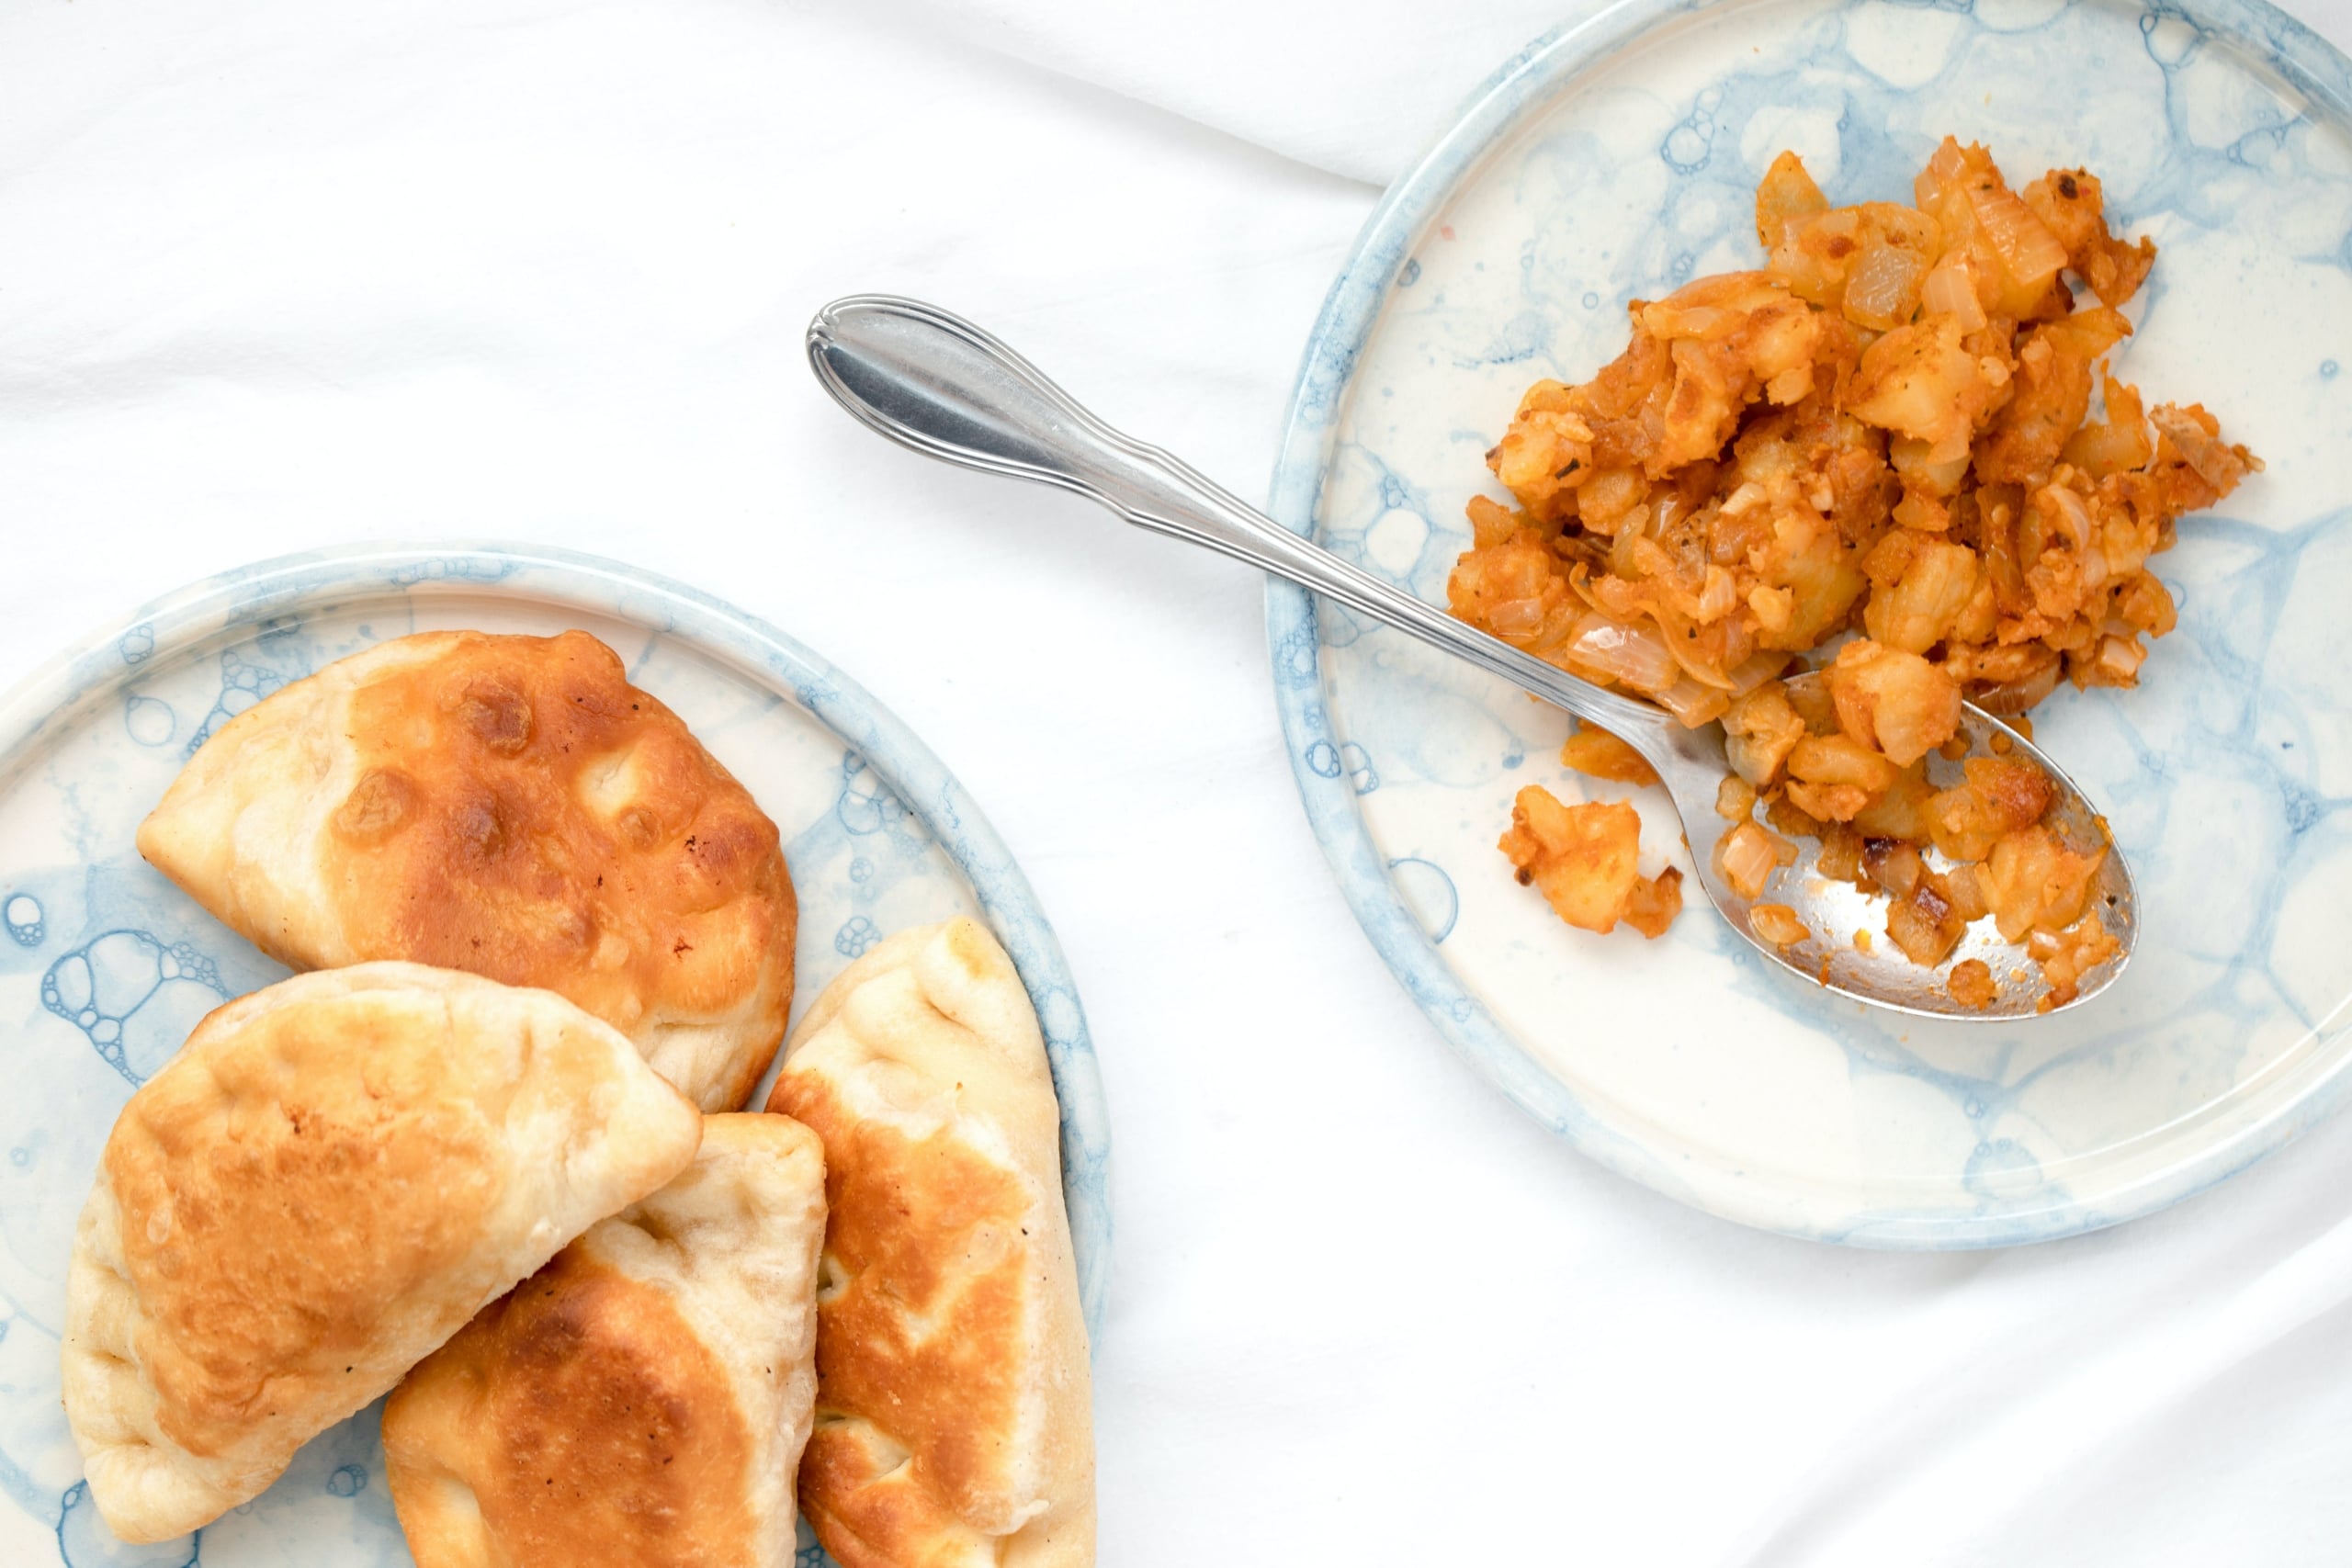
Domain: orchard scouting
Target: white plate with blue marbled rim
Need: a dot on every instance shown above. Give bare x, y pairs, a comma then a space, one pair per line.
105, 966
1617, 158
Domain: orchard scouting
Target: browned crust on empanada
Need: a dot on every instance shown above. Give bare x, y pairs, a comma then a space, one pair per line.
642, 1401
331, 1178
594, 1427
952, 1421
919, 1233
514, 808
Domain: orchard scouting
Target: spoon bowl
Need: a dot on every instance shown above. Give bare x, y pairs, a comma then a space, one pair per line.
934, 382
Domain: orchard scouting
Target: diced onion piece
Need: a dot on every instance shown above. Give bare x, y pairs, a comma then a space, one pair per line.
1747, 858
1950, 290
1693, 703
2120, 658
1923, 922
1634, 654
2029, 252
1515, 618
1778, 924
1755, 669
1883, 288
1718, 598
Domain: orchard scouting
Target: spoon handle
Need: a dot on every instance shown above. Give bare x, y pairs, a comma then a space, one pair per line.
934, 382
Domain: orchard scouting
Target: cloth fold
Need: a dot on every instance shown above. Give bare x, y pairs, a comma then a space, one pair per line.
1356, 89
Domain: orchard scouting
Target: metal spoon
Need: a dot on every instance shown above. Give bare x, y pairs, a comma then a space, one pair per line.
934, 382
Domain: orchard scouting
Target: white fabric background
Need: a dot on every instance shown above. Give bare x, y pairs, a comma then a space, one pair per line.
276, 275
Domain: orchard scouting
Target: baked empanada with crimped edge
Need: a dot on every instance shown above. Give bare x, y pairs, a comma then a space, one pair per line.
954, 1406
511, 807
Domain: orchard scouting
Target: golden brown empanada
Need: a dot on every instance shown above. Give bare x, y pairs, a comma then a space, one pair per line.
327, 1181
954, 1405
511, 807
642, 1401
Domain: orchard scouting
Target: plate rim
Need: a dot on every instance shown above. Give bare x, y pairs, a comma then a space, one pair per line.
1522, 84
220, 605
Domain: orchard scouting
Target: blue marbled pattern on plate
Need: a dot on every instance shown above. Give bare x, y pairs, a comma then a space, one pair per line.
1612, 161
106, 965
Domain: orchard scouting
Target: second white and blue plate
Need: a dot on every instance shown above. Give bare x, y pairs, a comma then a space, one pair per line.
1620, 159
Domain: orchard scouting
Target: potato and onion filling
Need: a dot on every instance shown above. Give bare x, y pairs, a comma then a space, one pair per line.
1881, 446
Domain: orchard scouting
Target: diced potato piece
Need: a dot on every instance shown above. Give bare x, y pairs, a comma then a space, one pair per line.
1787, 817
1827, 803
1900, 811
2036, 881
2145, 603
2073, 208
1813, 704
1546, 452
1892, 700
1491, 522
1582, 858
1592, 750
1937, 583
1759, 731
2052, 392
1841, 760
1734, 799
1785, 192
1653, 903
1924, 471
2067, 955
1611, 498
1811, 562
1967, 893
2000, 796
1920, 380
2118, 444
1511, 590
1970, 984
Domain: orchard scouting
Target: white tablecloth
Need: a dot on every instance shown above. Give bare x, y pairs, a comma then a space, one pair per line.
276, 275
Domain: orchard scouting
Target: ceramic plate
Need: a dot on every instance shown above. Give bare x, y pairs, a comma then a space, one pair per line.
1620, 159
105, 966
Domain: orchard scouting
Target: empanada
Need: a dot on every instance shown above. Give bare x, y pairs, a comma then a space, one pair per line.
326, 1182
511, 807
323, 1185
642, 1401
955, 1426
